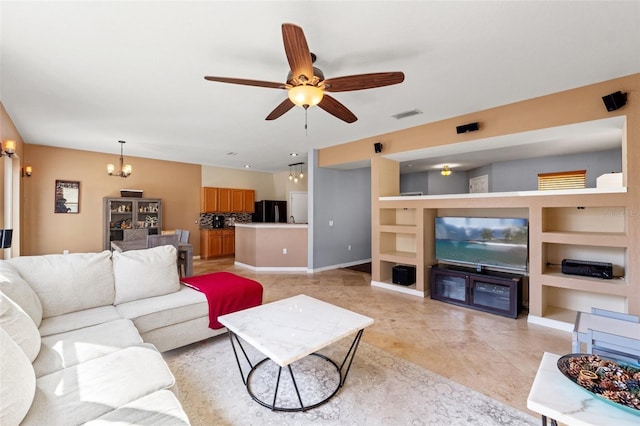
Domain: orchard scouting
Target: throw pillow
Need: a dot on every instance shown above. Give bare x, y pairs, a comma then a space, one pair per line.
19, 327
68, 282
18, 384
145, 273
18, 290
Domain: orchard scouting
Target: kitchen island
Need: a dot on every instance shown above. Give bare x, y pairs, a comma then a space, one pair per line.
271, 246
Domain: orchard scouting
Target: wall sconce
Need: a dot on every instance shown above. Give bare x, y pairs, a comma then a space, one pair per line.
26, 171
296, 173
446, 171
9, 148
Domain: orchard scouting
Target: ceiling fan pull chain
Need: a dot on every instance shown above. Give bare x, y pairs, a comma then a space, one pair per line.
306, 110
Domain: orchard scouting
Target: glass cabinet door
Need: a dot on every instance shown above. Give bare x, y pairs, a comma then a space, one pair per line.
449, 287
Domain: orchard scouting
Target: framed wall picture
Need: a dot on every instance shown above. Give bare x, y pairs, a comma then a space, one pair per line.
67, 196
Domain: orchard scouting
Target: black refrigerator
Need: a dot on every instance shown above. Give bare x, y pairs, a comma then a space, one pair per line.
270, 211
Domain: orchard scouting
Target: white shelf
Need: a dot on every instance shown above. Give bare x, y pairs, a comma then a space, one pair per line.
585, 191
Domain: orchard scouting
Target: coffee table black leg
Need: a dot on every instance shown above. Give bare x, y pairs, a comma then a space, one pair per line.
295, 386
235, 352
350, 355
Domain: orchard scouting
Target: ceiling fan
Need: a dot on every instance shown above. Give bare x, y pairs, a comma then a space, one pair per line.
306, 84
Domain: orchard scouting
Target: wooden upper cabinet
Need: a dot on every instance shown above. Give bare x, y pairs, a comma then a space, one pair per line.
237, 200
224, 200
249, 201
227, 200
209, 200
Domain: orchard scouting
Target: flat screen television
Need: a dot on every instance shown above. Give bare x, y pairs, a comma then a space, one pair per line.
483, 241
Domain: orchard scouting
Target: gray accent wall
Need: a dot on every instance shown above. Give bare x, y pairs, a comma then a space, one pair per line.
517, 175
344, 197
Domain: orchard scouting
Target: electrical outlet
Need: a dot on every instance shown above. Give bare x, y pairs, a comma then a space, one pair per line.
284, 251
65, 251
349, 247
330, 222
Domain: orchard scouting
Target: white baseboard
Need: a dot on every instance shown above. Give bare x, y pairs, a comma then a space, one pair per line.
273, 268
398, 288
341, 265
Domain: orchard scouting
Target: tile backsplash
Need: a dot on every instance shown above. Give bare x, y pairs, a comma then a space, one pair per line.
230, 219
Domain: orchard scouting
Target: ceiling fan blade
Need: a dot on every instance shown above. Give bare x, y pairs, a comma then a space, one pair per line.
363, 81
246, 82
297, 50
336, 109
284, 106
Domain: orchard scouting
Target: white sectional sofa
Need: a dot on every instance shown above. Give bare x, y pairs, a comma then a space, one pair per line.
81, 336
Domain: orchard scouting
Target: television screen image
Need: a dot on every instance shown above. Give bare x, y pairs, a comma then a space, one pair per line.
486, 241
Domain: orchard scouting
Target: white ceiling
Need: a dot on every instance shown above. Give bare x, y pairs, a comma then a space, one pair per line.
84, 75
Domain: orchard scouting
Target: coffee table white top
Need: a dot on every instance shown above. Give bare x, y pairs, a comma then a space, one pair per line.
290, 329
555, 396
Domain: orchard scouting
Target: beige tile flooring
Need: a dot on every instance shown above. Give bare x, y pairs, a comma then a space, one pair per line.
495, 355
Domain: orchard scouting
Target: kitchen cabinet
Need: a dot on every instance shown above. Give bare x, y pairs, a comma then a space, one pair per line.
224, 200
227, 200
237, 200
249, 201
209, 200
217, 243
228, 242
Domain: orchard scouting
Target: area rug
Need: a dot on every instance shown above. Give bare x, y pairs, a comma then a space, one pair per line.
381, 389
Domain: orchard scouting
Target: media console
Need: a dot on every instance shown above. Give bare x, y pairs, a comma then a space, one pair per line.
490, 291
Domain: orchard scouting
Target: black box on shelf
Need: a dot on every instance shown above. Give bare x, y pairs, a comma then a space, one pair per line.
132, 193
404, 274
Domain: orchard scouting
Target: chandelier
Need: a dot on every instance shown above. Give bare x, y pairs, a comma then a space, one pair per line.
295, 172
124, 170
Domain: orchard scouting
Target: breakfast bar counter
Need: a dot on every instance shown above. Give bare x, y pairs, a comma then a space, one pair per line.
271, 246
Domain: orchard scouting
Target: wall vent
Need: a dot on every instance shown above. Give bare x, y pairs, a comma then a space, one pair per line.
406, 114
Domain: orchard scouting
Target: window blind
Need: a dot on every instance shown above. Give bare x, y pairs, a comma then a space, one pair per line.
575, 179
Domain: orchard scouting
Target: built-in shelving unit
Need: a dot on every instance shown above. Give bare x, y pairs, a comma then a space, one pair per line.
585, 224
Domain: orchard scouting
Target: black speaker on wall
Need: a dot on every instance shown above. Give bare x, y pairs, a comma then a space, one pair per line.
377, 147
615, 101
465, 128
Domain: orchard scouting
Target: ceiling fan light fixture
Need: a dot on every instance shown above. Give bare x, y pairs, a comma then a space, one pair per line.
306, 95
446, 171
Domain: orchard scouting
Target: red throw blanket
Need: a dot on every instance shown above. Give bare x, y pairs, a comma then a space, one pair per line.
226, 293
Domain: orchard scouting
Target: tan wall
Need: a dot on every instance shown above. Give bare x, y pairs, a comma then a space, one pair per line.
177, 184
263, 247
562, 108
268, 186
8, 131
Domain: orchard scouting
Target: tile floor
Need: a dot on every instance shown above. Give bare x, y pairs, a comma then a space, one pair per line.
495, 355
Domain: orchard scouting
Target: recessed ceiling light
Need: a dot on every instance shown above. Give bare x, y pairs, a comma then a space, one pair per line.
294, 154
247, 166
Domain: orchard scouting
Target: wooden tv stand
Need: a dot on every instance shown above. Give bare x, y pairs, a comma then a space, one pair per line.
489, 291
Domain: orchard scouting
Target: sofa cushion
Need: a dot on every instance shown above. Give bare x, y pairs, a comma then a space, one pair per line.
18, 383
77, 320
145, 273
161, 408
160, 311
19, 327
68, 282
93, 388
18, 290
65, 350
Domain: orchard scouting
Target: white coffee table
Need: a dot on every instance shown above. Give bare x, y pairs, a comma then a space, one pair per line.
288, 330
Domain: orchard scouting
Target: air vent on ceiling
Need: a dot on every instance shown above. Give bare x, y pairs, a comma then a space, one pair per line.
406, 114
